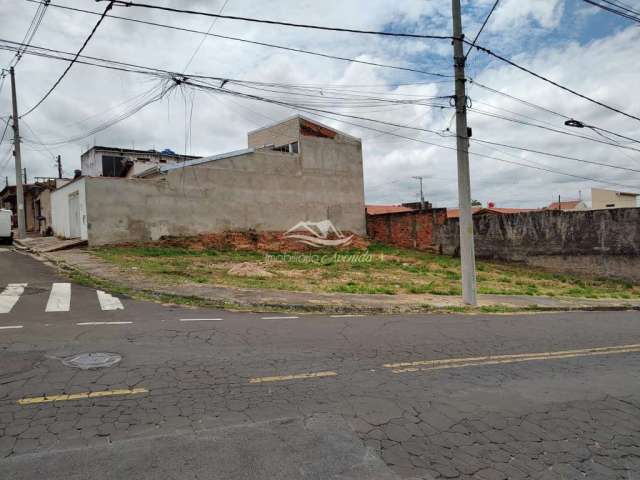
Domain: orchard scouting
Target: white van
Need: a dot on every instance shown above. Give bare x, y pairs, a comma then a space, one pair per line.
6, 235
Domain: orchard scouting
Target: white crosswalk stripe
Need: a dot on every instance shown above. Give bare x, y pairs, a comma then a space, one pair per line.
10, 296
60, 298
109, 302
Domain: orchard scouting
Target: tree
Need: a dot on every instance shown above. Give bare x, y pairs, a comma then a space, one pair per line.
476, 203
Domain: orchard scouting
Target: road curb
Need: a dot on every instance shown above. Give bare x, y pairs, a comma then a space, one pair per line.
165, 296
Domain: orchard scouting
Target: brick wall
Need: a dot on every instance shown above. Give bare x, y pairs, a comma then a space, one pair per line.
406, 229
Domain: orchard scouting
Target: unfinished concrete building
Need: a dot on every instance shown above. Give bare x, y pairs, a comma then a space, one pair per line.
294, 171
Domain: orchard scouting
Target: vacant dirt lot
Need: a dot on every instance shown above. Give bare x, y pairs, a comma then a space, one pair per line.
378, 269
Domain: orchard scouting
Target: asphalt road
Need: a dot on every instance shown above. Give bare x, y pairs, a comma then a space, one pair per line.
227, 395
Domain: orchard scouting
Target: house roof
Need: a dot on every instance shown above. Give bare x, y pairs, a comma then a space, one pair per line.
140, 152
382, 209
568, 205
455, 212
199, 161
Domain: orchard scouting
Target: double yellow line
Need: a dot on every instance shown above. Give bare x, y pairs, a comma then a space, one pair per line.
427, 365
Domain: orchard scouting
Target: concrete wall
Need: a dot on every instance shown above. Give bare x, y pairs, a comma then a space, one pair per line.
280, 134
602, 198
597, 242
406, 229
264, 190
60, 209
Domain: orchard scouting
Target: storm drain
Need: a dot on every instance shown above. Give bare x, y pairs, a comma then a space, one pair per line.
85, 361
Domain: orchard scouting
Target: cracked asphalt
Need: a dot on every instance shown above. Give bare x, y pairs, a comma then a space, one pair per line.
202, 416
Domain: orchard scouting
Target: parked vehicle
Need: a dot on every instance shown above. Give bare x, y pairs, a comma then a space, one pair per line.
6, 235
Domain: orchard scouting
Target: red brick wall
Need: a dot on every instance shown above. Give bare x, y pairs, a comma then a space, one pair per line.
406, 229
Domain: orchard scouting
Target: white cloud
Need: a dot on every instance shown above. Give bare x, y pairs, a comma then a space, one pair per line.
602, 69
513, 14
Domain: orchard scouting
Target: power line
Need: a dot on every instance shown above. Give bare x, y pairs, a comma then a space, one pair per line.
552, 82
213, 23
66, 70
31, 31
551, 129
308, 106
110, 64
622, 6
243, 83
4, 132
315, 111
546, 109
481, 155
393, 34
486, 20
254, 42
555, 155
154, 95
135, 68
632, 15
122, 3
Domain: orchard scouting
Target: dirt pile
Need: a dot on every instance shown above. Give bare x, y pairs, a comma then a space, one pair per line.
248, 269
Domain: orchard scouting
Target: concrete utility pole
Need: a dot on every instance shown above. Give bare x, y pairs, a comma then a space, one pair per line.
59, 163
22, 229
467, 251
421, 194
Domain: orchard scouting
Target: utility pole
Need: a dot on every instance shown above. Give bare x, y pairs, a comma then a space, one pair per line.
467, 251
467, 254
421, 194
59, 163
22, 230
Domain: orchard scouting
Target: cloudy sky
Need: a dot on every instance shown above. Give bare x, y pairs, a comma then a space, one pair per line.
577, 45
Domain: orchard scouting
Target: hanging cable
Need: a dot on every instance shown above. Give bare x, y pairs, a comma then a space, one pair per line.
122, 3
484, 24
552, 82
66, 70
628, 14
254, 42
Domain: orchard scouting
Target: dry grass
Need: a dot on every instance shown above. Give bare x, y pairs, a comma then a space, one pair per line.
384, 270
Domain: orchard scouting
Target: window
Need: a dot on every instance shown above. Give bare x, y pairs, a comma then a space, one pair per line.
289, 148
112, 166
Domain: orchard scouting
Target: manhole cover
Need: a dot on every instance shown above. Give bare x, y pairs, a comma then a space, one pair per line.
86, 361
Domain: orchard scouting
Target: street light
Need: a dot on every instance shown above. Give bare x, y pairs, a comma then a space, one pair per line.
575, 123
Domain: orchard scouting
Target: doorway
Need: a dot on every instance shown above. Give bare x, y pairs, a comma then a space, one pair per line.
74, 215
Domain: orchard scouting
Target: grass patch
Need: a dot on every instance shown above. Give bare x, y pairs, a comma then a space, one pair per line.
383, 270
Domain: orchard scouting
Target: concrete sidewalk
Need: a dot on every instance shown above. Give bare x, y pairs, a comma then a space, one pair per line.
81, 261
40, 245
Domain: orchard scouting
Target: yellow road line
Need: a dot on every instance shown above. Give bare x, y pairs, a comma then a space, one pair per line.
80, 396
296, 376
425, 365
502, 357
